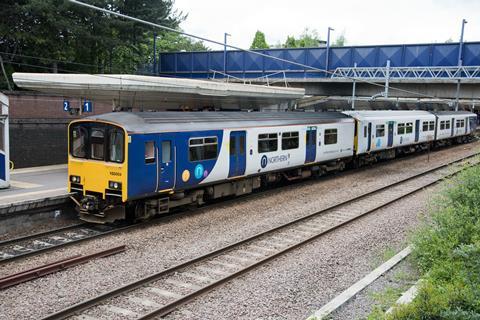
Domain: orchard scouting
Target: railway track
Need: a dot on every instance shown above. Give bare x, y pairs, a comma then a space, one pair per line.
13, 249
163, 292
21, 247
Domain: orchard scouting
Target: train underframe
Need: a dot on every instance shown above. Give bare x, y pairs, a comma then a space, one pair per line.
94, 209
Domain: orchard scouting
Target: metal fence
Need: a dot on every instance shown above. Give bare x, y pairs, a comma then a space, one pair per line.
248, 65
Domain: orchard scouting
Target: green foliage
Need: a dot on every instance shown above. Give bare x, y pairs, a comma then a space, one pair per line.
447, 251
259, 41
308, 39
77, 39
340, 41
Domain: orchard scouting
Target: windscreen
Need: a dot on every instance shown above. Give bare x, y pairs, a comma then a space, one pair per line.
97, 141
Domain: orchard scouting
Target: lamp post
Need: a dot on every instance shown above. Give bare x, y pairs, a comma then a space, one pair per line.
328, 50
460, 62
154, 71
225, 52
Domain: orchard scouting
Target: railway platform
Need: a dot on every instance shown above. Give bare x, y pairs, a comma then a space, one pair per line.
34, 188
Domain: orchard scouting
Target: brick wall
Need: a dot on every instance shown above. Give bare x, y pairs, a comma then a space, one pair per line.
38, 128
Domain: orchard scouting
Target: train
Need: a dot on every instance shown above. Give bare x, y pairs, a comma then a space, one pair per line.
132, 166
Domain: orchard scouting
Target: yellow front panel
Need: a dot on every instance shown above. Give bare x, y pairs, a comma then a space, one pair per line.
95, 175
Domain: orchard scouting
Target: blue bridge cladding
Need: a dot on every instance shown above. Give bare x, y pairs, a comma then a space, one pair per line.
247, 65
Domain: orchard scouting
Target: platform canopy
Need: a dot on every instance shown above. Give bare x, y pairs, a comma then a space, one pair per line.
133, 91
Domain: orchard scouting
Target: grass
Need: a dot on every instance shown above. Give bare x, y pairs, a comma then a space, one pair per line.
446, 251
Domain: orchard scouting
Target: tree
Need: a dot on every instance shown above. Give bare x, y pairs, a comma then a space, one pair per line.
43, 35
341, 40
259, 41
308, 39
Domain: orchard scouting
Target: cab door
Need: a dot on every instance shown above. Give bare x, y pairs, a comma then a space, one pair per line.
311, 144
166, 163
237, 153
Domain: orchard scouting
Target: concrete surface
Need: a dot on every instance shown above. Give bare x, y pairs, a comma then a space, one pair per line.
34, 188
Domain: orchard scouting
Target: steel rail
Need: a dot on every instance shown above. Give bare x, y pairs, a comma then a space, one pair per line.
72, 310
42, 234
32, 252
49, 268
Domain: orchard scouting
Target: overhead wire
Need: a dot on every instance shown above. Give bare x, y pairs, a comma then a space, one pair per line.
247, 50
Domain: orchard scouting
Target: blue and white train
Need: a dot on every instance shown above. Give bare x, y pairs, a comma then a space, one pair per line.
135, 165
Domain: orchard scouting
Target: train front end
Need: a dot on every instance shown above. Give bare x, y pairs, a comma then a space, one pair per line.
97, 170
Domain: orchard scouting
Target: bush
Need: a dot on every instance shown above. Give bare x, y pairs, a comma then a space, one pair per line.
447, 252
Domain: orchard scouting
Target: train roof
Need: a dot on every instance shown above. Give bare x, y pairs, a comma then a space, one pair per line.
453, 113
387, 114
148, 122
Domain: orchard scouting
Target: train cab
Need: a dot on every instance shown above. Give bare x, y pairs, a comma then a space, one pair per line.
97, 167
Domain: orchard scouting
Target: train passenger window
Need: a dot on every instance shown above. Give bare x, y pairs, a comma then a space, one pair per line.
97, 144
380, 132
460, 123
116, 145
150, 152
425, 126
401, 128
78, 146
447, 124
203, 149
409, 127
166, 151
289, 140
330, 136
428, 126
442, 125
267, 142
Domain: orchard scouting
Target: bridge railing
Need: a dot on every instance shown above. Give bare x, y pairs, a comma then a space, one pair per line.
247, 65
428, 73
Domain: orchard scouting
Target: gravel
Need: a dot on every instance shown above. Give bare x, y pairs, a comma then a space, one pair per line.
381, 294
321, 269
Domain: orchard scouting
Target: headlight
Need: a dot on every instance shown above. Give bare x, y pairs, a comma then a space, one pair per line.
75, 179
115, 185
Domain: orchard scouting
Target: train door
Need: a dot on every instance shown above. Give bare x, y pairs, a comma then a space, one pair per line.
166, 163
237, 153
311, 144
369, 138
390, 133
417, 130
453, 126
473, 123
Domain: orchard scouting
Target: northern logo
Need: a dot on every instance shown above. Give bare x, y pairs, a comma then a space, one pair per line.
265, 160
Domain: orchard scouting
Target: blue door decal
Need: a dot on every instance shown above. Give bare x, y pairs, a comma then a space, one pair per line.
390, 134
238, 141
369, 139
417, 130
166, 163
311, 144
3, 167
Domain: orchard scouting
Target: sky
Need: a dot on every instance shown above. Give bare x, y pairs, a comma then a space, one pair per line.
363, 22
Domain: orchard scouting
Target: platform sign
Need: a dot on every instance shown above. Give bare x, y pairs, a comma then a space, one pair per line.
87, 106
66, 105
